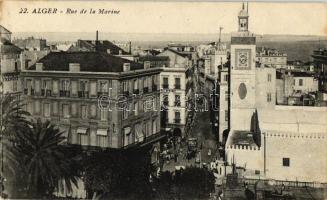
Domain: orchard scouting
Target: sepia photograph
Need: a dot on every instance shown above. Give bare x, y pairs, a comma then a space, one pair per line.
163, 100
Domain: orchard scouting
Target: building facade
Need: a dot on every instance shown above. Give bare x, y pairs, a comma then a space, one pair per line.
173, 87
271, 58
99, 100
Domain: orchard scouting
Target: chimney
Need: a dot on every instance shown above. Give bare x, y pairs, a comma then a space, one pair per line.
96, 35
74, 67
127, 67
38, 66
130, 48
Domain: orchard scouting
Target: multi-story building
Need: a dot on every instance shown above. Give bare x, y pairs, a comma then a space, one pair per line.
10, 64
292, 86
98, 99
320, 67
173, 84
32, 44
271, 57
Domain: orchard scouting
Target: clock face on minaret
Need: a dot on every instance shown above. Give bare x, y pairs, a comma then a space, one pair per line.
242, 59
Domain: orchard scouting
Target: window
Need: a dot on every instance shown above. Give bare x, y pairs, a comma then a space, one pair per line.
269, 77
46, 110
145, 82
83, 86
55, 87
102, 139
103, 86
136, 108
65, 110
125, 113
55, 108
165, 100
128, 139
154, 126
300, 82
177, 83
148, 126
93, 88
177, 100
84, 112
286, 162
37, 86
293, 81
83, 135
226, 95
226, 77
103, 114
226, 115
268, 97
65, 85
165, 83
135, 84
177, 117
14, 86
37, 107
125, 86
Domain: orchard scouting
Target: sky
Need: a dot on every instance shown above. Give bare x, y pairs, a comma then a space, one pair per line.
166, 17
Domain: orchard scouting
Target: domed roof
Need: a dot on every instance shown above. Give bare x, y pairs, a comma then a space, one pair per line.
243, 13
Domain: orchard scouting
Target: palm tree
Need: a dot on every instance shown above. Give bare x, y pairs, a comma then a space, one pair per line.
13, 116
43, 160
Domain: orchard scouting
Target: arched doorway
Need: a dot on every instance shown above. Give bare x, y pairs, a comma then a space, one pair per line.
177, 132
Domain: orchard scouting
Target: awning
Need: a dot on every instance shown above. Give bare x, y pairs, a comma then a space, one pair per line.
127, 130
139, 133
102, 132
81, 130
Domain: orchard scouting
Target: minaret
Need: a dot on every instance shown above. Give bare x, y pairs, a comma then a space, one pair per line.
242, 74
243, 19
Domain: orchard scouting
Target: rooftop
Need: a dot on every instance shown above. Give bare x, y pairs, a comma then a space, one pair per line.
9, 48
242, 138
89, 62
99, 45
153, 58
296, 119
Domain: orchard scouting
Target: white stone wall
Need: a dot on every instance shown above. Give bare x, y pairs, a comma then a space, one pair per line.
306, 152
249, 158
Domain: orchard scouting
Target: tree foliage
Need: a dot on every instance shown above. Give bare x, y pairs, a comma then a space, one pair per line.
190, 183
118, 174
43, 160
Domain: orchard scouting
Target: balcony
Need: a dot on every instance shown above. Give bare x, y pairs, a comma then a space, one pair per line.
177, 103
83, 94
166, 103
177, 86
64, 93
103, 94
154, 88
165, 86
136, 91
177, 121
126, 93
46, 92
145, 90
